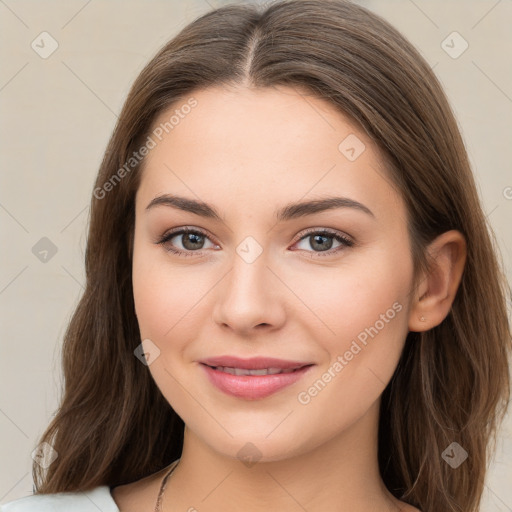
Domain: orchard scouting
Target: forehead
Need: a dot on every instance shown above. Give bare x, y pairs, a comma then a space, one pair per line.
269, 145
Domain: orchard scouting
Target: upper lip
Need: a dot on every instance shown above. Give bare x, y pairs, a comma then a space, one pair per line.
253, 363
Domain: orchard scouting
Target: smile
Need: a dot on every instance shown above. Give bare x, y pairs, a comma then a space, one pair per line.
244, 371
253, 384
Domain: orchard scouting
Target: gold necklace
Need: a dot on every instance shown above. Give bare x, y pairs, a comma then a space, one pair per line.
162, 487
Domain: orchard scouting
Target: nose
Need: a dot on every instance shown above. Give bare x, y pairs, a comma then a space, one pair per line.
250, 298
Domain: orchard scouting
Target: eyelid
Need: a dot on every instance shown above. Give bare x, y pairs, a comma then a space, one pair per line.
345, 240
334, 232
181, 230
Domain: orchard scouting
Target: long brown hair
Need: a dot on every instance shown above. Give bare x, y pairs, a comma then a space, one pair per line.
452, 382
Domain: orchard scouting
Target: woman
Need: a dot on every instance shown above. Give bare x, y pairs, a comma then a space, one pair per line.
292, 293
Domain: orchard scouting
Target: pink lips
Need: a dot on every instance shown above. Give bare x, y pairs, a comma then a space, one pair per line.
253, 387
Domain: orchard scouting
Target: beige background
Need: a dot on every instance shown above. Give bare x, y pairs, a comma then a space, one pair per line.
57, 116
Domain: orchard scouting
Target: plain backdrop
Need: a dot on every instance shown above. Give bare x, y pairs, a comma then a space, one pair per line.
59, 110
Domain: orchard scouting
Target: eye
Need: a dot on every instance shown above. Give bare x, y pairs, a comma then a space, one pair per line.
191, 240
323, 241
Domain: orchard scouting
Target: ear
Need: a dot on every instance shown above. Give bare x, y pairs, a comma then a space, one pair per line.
437, 290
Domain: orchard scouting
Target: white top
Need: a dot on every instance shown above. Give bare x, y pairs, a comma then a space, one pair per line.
96, 499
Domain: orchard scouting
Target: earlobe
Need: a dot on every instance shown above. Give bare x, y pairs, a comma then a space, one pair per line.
437, 290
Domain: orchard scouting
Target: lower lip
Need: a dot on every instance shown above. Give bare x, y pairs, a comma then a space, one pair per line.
253, 387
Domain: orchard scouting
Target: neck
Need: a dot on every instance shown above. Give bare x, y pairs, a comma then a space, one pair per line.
340, 475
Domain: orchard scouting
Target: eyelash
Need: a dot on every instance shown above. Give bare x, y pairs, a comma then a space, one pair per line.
345, 241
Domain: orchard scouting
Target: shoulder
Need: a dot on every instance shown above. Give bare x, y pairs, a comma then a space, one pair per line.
96, 499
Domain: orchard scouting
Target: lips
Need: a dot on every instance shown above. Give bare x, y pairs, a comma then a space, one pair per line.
254, 363
253, 378
244, 371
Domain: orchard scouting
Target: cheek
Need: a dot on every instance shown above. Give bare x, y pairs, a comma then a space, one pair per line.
166, 295
361, 292
360, 315
162, 309
154, 293
370, 327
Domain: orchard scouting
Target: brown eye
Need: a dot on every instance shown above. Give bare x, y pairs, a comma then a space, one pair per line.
191, 240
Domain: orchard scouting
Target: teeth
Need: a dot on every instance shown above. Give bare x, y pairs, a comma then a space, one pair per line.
243, 371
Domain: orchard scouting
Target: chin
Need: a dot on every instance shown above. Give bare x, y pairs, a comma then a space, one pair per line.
250, 448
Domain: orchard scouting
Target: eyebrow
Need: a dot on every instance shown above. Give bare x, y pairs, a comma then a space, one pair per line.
288, 212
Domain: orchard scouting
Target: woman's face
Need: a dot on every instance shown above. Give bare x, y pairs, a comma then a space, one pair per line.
260, 279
